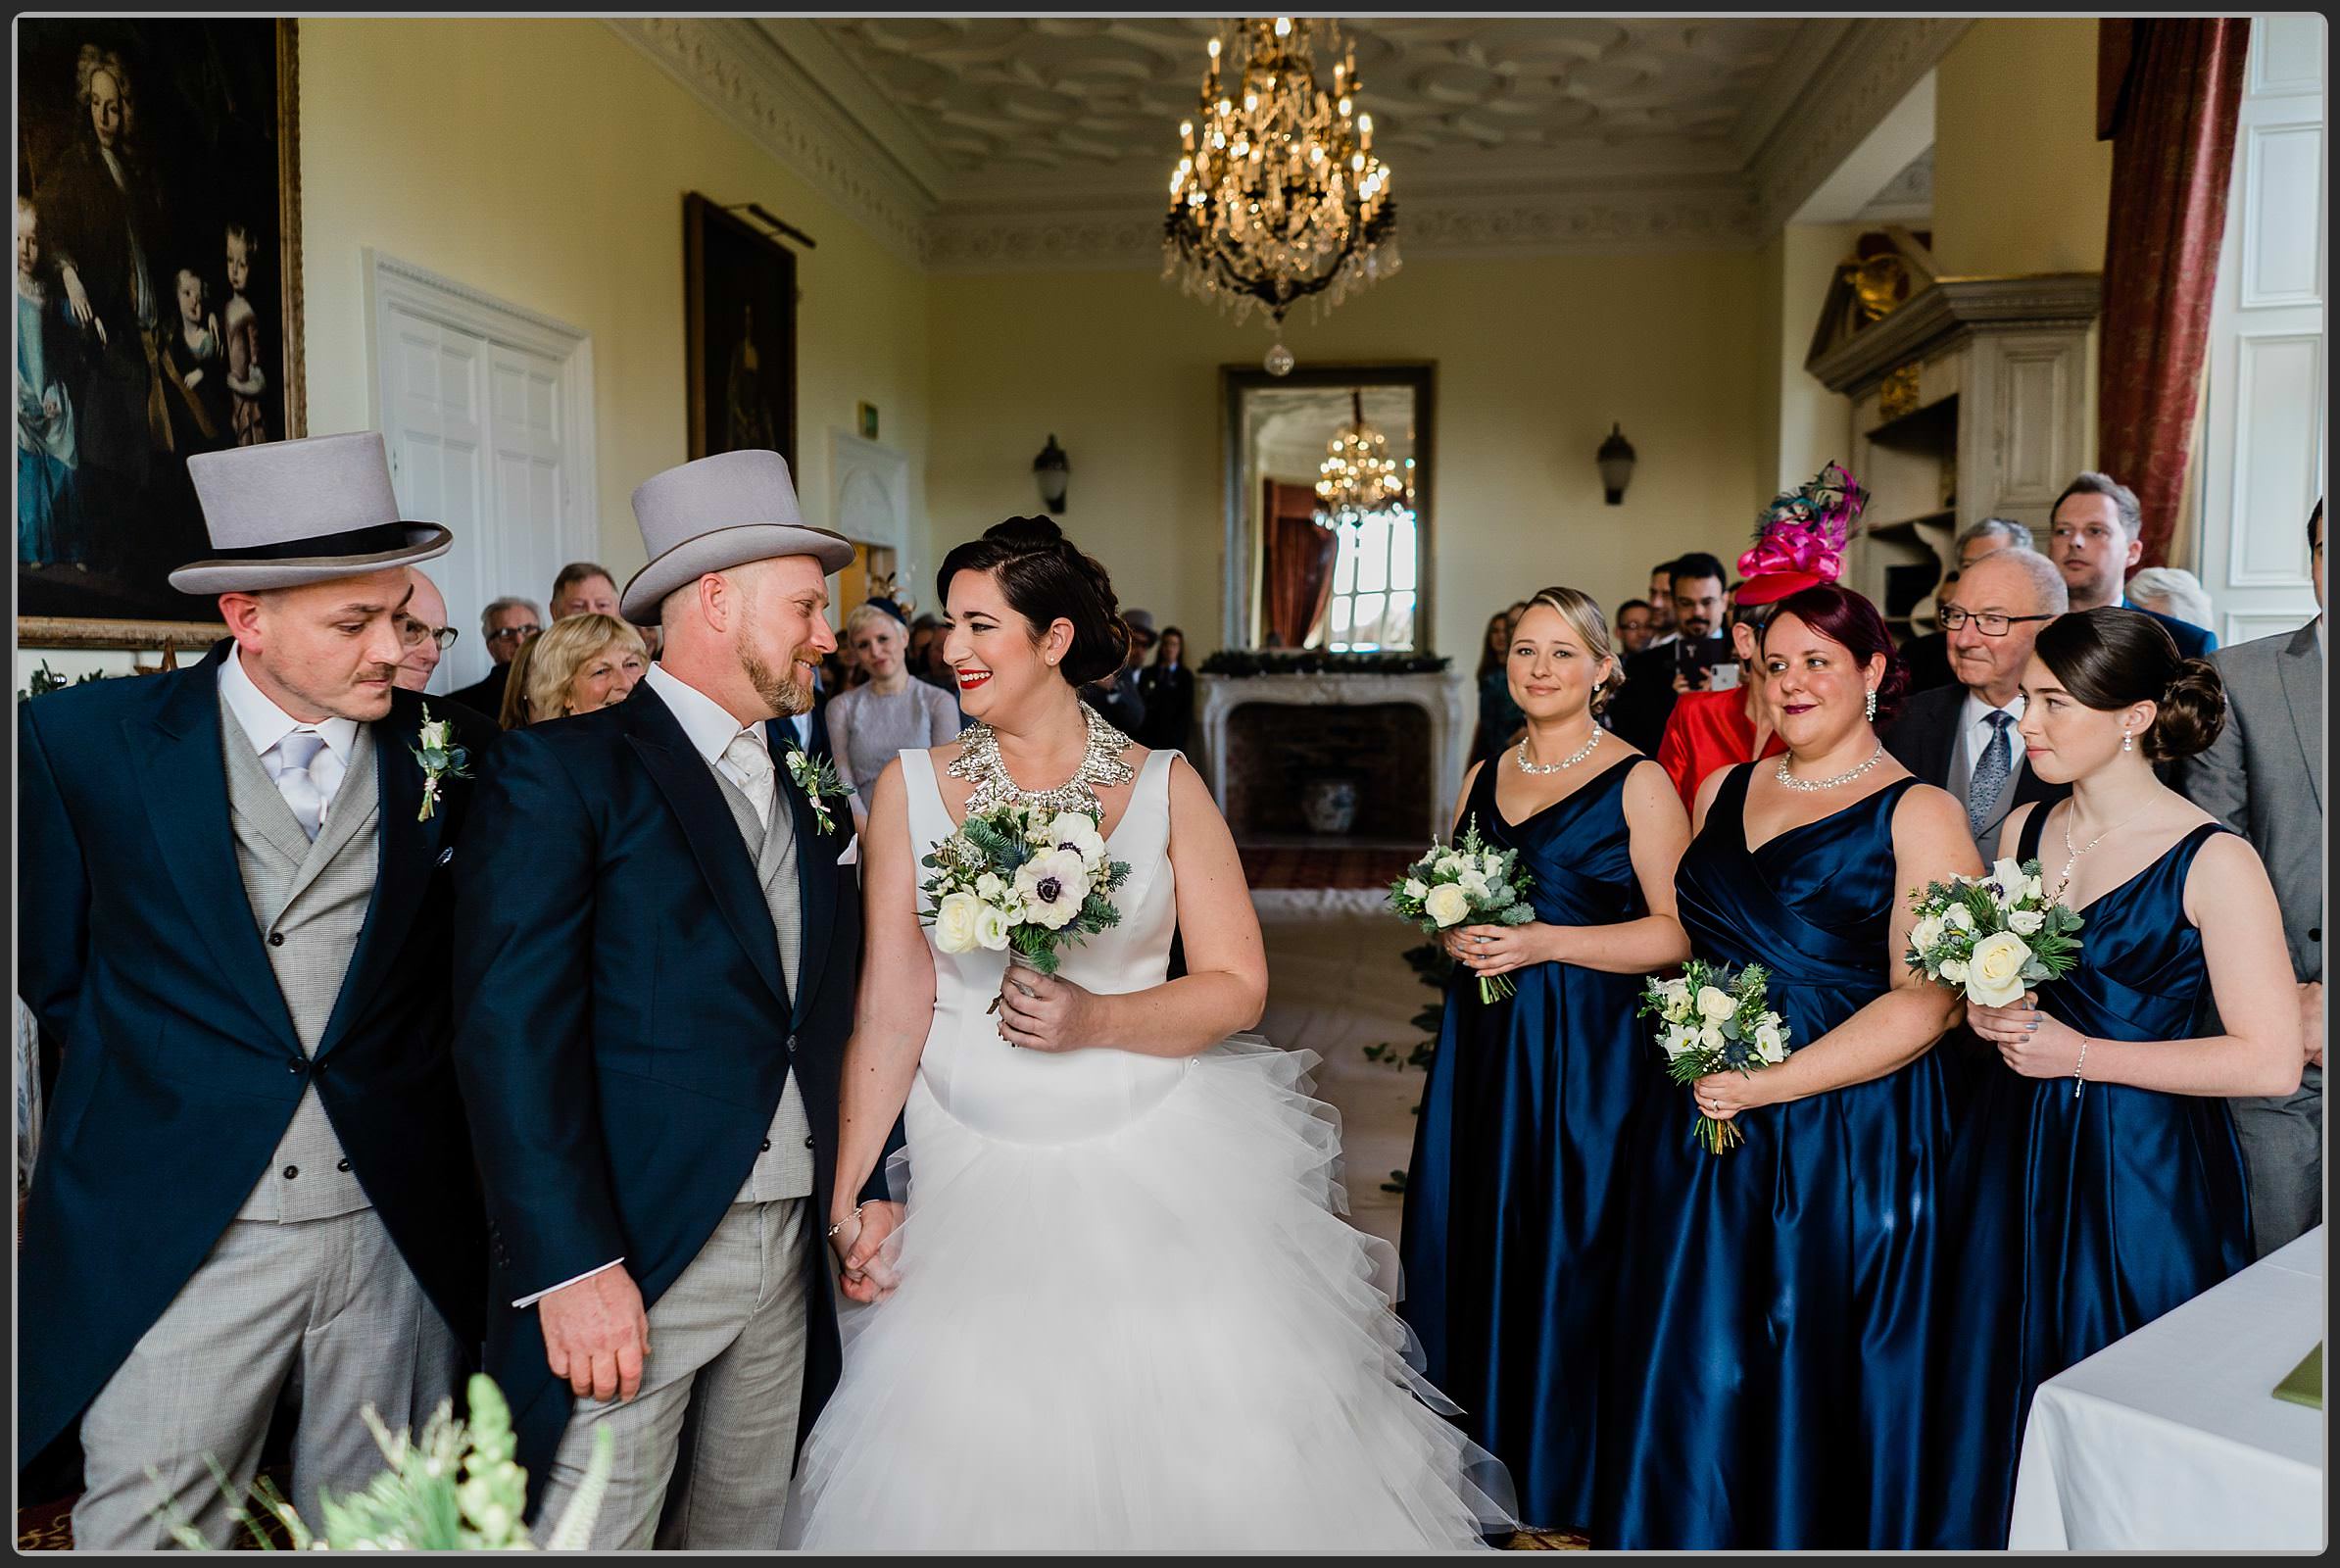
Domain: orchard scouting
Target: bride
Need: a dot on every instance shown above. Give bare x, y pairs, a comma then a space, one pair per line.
1119, 1309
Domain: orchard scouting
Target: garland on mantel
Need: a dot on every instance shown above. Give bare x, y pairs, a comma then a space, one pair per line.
1247, 662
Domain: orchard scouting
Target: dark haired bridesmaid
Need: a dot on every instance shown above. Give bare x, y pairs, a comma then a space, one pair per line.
2100, 1183
1514, 1202
1777, 1300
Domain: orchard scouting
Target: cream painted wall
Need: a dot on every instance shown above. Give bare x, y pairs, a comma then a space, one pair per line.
1814, 424
1535, 357
544, 162
2021, 183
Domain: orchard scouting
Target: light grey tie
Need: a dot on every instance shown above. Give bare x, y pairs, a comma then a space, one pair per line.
1990, 772
752, 765
302, 790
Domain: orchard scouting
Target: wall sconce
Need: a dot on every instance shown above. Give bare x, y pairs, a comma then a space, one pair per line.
1051, 469
1616, 459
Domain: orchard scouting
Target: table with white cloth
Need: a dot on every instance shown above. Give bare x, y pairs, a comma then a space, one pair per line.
2172, 1438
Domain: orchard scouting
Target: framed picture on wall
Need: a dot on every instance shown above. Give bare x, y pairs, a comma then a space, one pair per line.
740, 315
158, 300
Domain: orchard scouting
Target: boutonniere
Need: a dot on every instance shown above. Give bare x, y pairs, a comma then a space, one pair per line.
441, 760
816, 776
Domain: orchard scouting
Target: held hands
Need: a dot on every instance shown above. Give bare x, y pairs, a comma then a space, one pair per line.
597, 1335
865, 1262
2029, 1041
1487, 950
1045, 1012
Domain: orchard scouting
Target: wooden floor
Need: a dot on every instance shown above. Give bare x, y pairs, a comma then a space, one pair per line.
1276, 868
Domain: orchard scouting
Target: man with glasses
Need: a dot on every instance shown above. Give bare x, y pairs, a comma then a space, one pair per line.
423, 635
1962, 736
1928, 658
506, 624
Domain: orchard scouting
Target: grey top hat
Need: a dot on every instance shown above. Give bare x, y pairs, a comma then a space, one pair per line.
1139, 621
289, 512
716, 513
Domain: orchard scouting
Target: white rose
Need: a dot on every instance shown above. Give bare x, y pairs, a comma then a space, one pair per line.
990, 888
1715, 1004
1711, 1038
1996, 976
1957, 915
1077, 831
1474, 884
1954, 970
1493, 862
1416, 889
1446, 904
1052, 888
1926, 934
2026, 922
954, 922
992, 926
1449, 865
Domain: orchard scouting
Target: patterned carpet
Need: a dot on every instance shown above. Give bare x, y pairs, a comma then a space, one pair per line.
49, 1526
1278, 868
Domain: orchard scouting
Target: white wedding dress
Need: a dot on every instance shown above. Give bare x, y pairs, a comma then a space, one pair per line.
1128, 1314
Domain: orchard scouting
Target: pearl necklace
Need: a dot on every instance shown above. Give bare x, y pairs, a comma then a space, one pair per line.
1808, 785
980, 764
1520, 755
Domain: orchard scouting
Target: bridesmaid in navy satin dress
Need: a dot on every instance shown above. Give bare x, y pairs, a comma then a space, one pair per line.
1774, 1314
1514, 1199
2081, 1216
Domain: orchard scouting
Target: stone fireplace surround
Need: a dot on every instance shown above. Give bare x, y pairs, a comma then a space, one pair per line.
1442, 696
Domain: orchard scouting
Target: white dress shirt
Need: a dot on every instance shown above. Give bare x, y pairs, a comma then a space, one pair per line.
265, 725
1975, 729
711, 729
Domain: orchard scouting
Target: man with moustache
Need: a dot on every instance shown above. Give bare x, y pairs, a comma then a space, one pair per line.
657, 957
235, 913
1683, 663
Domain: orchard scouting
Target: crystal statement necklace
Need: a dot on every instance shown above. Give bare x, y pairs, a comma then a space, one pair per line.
1808, 785
1520, 755
980, 764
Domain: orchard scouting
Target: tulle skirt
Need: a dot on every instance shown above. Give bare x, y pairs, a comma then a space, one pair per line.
1161, 1338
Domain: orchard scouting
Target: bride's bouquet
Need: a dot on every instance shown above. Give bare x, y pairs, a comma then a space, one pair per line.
1996, 936
1467, 882
1024, 881
1715, 1019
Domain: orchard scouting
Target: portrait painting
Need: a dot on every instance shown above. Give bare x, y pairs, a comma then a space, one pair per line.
157, 298
740, 300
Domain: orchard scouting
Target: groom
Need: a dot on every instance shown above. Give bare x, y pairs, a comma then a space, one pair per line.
656, 953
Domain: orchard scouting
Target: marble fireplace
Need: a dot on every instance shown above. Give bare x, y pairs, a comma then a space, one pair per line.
1404, 738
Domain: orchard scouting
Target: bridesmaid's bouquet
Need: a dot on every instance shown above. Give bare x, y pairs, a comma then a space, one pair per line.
1996, 936
1466, 883
1022, 880
1714, 1019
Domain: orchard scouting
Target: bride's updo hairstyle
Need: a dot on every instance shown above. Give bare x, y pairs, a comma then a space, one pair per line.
1849, 620
1046, 578
2110, 657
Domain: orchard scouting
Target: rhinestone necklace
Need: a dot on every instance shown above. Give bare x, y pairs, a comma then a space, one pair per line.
980, 764
1808, 785
1520, 755
2063, 880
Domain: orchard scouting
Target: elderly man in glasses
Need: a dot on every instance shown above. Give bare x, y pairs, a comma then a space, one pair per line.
505, 624
423, 635
1962, 736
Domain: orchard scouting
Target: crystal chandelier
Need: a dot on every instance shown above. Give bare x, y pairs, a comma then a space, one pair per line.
1277, 196
1358, 477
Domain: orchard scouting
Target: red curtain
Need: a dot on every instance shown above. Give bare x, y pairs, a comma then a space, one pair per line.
1300, 563
2168, 94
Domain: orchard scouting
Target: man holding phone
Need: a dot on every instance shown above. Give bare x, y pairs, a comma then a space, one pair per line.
1656, 676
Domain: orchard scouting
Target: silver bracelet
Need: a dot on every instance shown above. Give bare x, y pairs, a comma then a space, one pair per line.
2077, 1080
839, 1225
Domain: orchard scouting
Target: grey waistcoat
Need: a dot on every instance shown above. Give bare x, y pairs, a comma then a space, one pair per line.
315, 897
784, 1166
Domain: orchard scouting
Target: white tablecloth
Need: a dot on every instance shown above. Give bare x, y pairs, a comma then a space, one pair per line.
2171, 1438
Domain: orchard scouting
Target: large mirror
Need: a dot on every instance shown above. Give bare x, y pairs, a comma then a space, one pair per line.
1327, 485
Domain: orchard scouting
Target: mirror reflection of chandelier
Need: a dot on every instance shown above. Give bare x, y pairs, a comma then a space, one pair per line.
1277, 196
1358, 477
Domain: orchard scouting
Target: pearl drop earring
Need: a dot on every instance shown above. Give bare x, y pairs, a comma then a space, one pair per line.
2128, 742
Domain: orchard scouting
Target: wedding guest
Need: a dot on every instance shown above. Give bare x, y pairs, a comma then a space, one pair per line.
514, 714
504, 626
1757, 1308
584, 589
582, 663
1514, 1197
1167, 688
2100, 1183
1499, 717
2172, 593
424, 632
1928, 658
1683, 663
235, 921
49, 521
2262, 776
2093, 538
875, 722
1713, 729
1964, 736
926, 660
1661, 603
1117, 698
1637, 625
247, 375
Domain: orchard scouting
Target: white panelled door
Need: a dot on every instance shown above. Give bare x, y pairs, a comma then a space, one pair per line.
2264, 447
487, 410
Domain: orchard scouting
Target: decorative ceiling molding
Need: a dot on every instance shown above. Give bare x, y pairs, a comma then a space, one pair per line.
1871, 67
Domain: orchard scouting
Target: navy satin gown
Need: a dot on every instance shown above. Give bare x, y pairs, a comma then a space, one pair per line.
1778, 1300
1513, 1221
2077, 1221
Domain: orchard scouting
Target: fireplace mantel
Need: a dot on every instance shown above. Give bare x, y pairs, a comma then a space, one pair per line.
1442, 696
